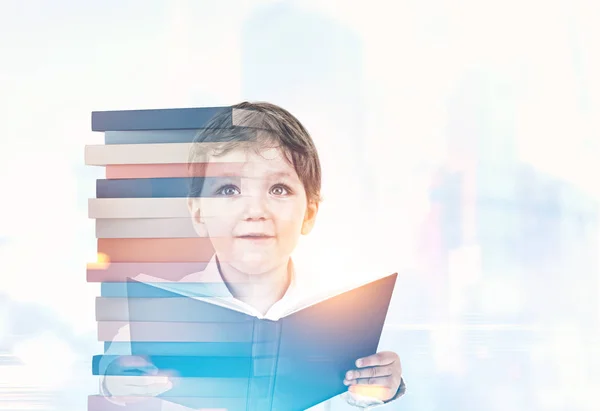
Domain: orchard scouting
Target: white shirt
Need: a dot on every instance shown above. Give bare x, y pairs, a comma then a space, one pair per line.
299, 293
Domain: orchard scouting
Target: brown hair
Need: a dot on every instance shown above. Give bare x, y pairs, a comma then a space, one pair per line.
269, 125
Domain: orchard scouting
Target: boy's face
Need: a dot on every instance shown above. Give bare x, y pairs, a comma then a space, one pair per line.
254, 217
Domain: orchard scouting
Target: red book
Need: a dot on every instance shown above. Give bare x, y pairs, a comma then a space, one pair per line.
156, 249
172, 170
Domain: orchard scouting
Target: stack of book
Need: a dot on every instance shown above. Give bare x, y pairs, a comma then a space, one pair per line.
143, 226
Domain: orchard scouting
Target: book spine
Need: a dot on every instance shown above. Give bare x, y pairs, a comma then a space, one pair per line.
160, 119
119, 272
173, 170
138, 208
198, 387
133, 208
127, 290
152, 187
102, 155
150, 136
275, 370
176, 153
159, 309
156, 249
194, 366
260, 396
175, 332
145, 228
141, 403
217, 349
153, 171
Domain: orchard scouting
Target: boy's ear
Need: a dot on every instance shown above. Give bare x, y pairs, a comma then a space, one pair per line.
198, 223
310, 217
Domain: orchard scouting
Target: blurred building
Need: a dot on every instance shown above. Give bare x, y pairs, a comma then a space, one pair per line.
536, 234
312, 66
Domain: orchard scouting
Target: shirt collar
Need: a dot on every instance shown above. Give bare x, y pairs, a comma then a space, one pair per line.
211, 274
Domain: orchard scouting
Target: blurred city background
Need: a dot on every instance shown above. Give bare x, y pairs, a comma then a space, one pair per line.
459, 142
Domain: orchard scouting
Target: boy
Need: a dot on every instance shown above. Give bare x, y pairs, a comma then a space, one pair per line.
254, 215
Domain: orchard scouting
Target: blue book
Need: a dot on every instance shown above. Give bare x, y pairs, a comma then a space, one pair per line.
191, 366
157, 136
123, 290
164, 187
312, 346
156, 119
218, 349
149, 136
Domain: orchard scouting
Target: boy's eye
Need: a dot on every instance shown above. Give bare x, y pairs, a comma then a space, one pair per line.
280, 190
228, 190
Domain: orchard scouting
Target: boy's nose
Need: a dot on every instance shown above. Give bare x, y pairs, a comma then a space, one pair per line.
255, 208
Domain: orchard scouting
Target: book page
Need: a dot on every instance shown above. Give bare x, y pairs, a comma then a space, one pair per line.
304, 302
177, 288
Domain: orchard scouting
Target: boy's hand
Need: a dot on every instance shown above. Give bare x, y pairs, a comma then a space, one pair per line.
135, 386
377, 376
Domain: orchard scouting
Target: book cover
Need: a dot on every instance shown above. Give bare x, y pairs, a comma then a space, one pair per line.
316, 341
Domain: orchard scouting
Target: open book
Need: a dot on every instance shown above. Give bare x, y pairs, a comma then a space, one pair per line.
224, 358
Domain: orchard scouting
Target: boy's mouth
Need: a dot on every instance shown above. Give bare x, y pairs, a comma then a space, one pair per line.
255, 236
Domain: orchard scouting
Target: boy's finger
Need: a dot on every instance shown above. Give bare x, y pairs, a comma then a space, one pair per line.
383, 381
381, 358
370, 372
374, 391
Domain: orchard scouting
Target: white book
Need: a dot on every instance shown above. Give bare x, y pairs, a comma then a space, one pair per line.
138, 208
175, 153
101, 155
145, 228
126, 208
